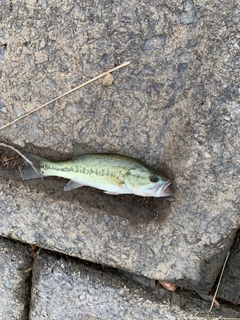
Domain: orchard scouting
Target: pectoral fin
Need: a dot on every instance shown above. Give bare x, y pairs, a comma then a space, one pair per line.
131, 177
72, 185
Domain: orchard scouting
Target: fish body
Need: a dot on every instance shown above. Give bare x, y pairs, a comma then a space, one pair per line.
112, 173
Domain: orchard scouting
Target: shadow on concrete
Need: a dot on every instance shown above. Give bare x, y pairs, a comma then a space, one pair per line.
137, 210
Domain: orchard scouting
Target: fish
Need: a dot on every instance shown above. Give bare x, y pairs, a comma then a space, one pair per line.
112, 173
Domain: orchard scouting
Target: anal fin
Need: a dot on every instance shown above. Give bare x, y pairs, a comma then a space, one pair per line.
72, 185
113, 193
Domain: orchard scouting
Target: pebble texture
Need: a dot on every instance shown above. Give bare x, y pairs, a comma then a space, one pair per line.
176, 107
64, 288
14, 281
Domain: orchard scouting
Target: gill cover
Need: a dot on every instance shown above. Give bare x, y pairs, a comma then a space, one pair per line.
138, 182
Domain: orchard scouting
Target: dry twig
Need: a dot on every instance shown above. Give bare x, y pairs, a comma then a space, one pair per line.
220, 278
64, 94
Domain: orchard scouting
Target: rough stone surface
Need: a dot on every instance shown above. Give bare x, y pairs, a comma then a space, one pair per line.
176, 107
64, 288
14, 281
230, 287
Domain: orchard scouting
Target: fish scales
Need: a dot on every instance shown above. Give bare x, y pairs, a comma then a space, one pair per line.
112, 173
100, 171
89, 168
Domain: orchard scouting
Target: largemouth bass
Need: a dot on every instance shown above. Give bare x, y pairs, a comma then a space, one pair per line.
112, 173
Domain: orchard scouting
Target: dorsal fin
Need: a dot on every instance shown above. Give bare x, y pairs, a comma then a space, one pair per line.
78, 150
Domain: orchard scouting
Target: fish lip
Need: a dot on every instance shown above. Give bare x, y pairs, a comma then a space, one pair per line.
164, 190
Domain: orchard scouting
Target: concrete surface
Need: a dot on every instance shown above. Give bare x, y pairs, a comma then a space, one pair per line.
90, 228
176, 107
15, 283
230, 286
68, 288
190, 301
64, 288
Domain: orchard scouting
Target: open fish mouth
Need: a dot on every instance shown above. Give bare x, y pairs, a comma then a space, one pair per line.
166, 191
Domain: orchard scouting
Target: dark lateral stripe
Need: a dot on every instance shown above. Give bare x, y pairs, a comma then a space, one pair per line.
83, 170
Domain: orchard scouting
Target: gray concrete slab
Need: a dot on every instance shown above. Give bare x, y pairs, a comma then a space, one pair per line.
15, 283
230, 286
64, 288
197, 303
175, 107
96, 231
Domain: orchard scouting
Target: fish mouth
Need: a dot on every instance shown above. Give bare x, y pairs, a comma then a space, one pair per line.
165, 191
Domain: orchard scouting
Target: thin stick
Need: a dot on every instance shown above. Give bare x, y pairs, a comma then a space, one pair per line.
22, 155
64, 94
215, 294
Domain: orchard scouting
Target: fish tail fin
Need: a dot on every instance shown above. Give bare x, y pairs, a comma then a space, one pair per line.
28, 171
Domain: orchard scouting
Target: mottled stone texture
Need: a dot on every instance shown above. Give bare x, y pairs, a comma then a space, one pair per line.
14, 281
176, 107
230, 285
64, 288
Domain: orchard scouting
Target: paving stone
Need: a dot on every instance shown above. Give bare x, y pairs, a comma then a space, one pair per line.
64, 288
176, 107
14, 281
230, 287
189, 300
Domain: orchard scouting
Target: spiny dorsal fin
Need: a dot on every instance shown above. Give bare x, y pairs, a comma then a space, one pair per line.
78, 150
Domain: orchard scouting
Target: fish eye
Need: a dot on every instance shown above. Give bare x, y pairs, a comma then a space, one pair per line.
154, 178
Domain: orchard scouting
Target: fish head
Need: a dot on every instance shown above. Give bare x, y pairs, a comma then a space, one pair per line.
147, 183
